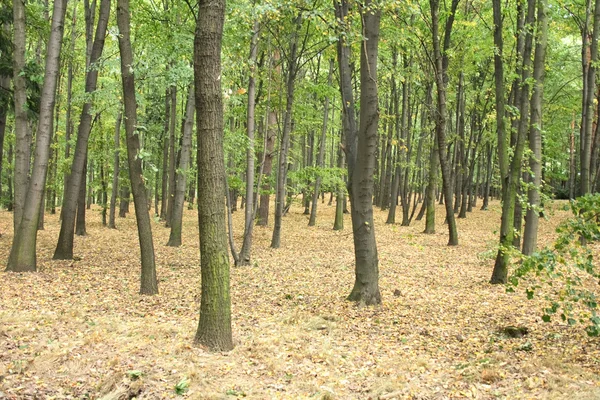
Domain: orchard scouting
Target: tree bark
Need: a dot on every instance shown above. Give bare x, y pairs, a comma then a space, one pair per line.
535, 133
148, 285
22, 132
172, 157
440, 66
511, 181
214, 327
182, 171
321, 156
71, 203
23, 251
115, 181
244, 256
285, 137
366, 284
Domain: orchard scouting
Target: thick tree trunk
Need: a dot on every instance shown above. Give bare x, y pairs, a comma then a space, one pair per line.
182, 171
366, 284
535, 133
23, 252
76, 185
115, 180
214, 327
148, 284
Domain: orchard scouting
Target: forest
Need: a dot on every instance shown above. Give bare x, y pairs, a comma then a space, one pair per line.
299, 199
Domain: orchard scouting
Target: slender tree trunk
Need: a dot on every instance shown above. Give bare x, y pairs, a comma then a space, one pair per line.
165, 157
440, 64
535, 132
23, 251
183, 171
172, 157
148, 284
22, 132
285, 139
321, 156
511, 181
214, 327
244, 256
115, 181
73, 199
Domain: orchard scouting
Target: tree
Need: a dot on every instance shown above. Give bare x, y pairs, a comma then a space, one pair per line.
366, 284
22, 132
148, 283
214, 327
183, 171
23, 251
440, 67
64, 246
535, 133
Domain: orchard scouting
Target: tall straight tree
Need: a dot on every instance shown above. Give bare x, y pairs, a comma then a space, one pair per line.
535, 132
293, 59
183, 170
22, 131
115, 181
512, 179
244, 256
366, 283
148, 284
64, 247
214, 327
23, 251
440, 64
321, 157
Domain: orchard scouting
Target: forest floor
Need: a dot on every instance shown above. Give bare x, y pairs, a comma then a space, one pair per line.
79, 329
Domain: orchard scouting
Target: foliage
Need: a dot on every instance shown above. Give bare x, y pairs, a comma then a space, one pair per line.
566, 274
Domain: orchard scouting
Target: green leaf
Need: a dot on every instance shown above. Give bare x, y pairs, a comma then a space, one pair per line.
182, 386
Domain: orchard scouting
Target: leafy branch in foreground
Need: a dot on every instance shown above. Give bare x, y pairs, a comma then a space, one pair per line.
565, 273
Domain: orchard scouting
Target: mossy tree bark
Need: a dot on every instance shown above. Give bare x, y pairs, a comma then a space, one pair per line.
214, 327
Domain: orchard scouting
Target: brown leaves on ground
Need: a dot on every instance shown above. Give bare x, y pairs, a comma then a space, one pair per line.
80, 329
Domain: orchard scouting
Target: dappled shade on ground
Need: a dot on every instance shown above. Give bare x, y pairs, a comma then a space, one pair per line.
81, 327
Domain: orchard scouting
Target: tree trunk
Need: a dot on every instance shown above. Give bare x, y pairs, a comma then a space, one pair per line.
285, 139
148, 284
115, 181
535, 133
214, 327
23, 251
440, 66
321, 156
80, 215
182, 171
510, 182
165, 158
244, 256
73, 199
172, 157
366, 284
22, 132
